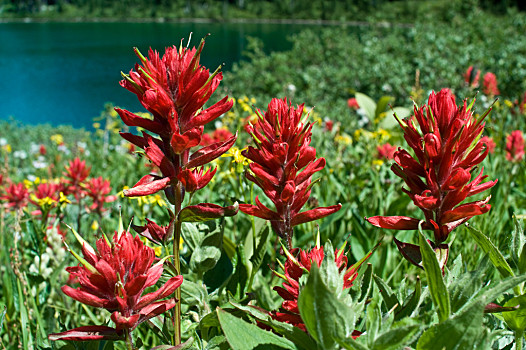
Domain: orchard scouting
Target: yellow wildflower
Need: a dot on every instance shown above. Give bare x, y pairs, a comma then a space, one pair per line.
508, 103
57, 139
95, 225
343, 139
7, 148
63, 199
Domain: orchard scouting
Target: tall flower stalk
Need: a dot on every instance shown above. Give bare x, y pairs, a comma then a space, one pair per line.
447, 146
174, 89
283, 164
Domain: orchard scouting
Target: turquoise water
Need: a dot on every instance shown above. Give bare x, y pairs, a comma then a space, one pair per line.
63, 73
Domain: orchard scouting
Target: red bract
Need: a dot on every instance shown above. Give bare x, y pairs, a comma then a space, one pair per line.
490, 85
155, 233
386, 151
221, 134
298, 262
447, 147
282, 165
173, 89
76, 173
16, 196
489, 143
471, 77
114, 278
515, 146
353, 103
97, 189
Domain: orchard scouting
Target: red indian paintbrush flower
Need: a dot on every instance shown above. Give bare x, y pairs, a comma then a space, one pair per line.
300, 261
386, 151
98, 189
490, 84
173, 89
16, 196
515, 146
447, 148
471, 77
114, 277
282, 165
76, 173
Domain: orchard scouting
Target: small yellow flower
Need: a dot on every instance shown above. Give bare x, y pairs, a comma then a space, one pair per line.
96, 125
253, 100
238, 157
508, 103
157, 199
63, 199
95, 225
113, 113
343, 139
7, 148
28, 184
121, 193
378, 162
57, 139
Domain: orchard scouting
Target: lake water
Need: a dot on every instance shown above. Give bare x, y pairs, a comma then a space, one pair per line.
63, 73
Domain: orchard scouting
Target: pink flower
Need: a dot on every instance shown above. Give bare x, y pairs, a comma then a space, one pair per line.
114, 277
353, 103
16, 196
489, 143
386, 151
515, 146
490, 85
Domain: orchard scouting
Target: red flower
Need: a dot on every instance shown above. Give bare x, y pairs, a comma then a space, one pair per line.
489, 143
173, 89
282, 166
97, 189
16, 196
386, 151
329, 125
522, 105
156, 233
76, 173
471, 77
515, 146
42, 150
221, 134
193, 180
490, 85
353, 103
114, 278
446, 148
299, 261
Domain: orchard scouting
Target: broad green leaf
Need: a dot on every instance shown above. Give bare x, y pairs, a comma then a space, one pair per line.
373, 321
242, 335
294, 334
382, 105
367, 104
496, 257
351, 344
516, 320
325, 316
437, 287
395, 338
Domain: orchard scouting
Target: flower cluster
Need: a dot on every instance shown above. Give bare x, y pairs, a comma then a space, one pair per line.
447, 147
515, 146
299, 262
174, 89
114, 277
282, 165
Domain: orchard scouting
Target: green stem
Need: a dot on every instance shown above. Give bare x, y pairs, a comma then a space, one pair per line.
518, 339
177, 263
129, 340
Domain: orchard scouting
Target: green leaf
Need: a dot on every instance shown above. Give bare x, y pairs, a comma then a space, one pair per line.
367, 104
242, 335
437, 287
294, 334
462, 331
496, 257
516, 320
389, 297
325, 316
410, 306
395, 338
382, 105
373, 321
389, 121
351, 344
27, 339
